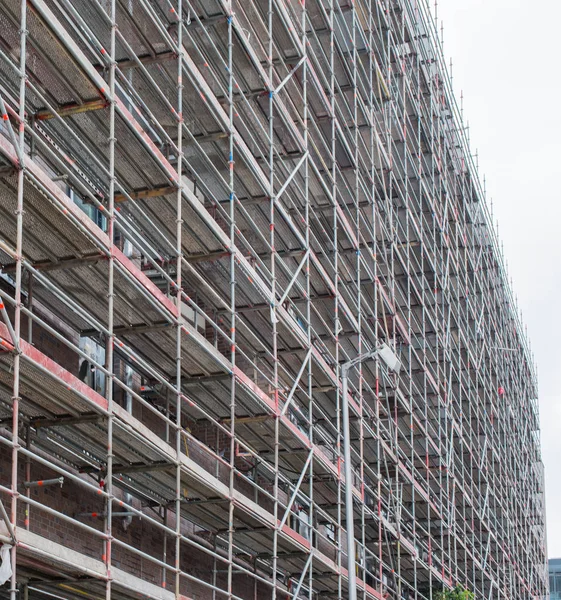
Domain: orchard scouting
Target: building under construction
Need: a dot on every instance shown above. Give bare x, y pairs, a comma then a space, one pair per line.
253, 306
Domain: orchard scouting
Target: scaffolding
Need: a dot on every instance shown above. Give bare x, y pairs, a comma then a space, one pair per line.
207, 208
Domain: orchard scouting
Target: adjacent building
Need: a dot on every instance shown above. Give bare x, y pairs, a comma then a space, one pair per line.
555, 578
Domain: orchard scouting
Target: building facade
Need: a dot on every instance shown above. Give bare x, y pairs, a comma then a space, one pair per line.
207, 208
555, 578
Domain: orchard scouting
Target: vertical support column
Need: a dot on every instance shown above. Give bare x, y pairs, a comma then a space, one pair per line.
18, 294
375, 151
349, 523
337, 324
27, 474
414, 399
30, 306
110, 339
357, 567
179, 296
307, 216
232, 211
398, 250
273, 312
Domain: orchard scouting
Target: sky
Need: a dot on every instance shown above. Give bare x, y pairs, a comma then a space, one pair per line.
505, 56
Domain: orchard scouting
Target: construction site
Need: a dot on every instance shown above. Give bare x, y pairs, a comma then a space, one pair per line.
257, 338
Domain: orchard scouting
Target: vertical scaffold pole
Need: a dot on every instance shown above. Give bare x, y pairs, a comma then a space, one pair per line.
179, 283
110, 338
232, 214
18, 290
307, 216
273, 312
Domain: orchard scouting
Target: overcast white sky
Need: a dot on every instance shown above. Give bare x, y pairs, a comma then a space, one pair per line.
506, 59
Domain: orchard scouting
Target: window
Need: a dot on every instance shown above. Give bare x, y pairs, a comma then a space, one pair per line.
555, 585
88, 373
93, 213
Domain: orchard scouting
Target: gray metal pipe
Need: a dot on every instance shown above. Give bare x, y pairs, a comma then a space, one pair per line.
349, 517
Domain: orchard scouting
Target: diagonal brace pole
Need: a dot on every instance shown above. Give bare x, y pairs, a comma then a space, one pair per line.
287, 78
8, 523
291, 176
301, 580
295, 384
295, 276
296, 489
12, 133
11, 331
